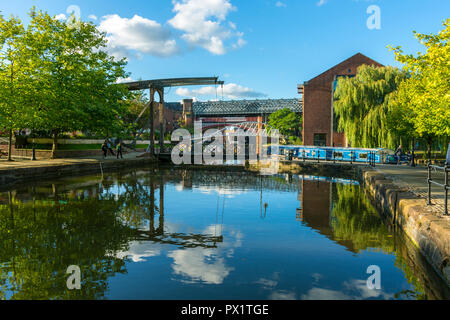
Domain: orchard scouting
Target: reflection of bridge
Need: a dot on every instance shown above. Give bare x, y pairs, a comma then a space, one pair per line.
246, 181
247, 128
314, 194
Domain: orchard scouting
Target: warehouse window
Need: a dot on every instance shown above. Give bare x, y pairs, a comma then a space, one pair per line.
320, 139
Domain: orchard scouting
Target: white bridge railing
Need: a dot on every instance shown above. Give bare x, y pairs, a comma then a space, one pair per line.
248, 128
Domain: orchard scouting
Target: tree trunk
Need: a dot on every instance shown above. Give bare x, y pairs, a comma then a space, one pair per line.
429, 142
10, 145
55, 143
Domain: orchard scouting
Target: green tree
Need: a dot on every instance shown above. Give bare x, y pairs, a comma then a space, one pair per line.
41, 238
76, 78
286, 121
14, 86
424, 97
364, 107
135, 117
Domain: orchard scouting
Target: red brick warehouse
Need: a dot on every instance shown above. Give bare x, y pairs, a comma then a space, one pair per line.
318, 128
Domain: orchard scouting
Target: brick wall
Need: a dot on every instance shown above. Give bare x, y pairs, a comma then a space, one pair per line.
317, 100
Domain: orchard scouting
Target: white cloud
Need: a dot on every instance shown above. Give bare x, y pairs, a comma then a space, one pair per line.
183, 92
239, 44
123, 80
92, 17
321, 2
230, 90
61, 16
280, 4
202, 23
137, 35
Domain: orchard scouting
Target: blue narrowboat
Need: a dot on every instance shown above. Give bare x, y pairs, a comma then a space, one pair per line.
360, 155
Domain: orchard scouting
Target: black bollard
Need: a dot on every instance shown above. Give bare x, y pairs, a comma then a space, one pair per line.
33, 157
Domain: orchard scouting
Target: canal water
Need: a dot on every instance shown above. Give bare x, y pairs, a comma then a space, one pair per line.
179, 234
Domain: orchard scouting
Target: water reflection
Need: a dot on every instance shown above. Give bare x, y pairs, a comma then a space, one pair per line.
345, 215
201, 234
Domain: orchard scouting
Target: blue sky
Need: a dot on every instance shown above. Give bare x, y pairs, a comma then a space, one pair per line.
260, 48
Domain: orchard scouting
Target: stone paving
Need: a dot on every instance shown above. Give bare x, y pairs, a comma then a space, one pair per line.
25, 163
414, 179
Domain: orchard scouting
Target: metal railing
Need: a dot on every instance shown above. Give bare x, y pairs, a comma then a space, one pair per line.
446, 185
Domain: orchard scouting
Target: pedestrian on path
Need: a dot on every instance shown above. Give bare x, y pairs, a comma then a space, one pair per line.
104, 149
447, 160
110, 149
119, 150
398, 154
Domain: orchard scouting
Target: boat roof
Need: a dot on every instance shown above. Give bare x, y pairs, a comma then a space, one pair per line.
335, 148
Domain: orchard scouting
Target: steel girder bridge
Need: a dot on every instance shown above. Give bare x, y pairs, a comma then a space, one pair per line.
158, 86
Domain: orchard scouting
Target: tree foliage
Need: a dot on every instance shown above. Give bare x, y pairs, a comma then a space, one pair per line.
57, 76
14, 84
134, 107
363, 105
425, 96
286, 121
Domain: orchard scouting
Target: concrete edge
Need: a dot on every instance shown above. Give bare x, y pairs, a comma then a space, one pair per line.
10, 177
427, 231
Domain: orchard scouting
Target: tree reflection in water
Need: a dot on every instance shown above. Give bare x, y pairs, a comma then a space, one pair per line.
95, 223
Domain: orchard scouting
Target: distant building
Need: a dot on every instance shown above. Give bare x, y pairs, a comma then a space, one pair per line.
317, 96
225, 112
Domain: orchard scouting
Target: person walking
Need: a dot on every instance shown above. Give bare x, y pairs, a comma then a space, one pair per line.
447, 159
110, 149
398, 154
119, 150
105, 150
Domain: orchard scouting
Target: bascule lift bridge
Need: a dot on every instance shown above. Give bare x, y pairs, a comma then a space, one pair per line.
246, 114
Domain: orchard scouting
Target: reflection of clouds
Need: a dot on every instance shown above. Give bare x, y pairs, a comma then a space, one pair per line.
206, 265
364, 292
324, 294
316, 276
267, 283
229, 192
140, 250
194, 264
353, 289
282, 295
219, 190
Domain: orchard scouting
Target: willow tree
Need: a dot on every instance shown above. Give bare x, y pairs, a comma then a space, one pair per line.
425, 96
363, 105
